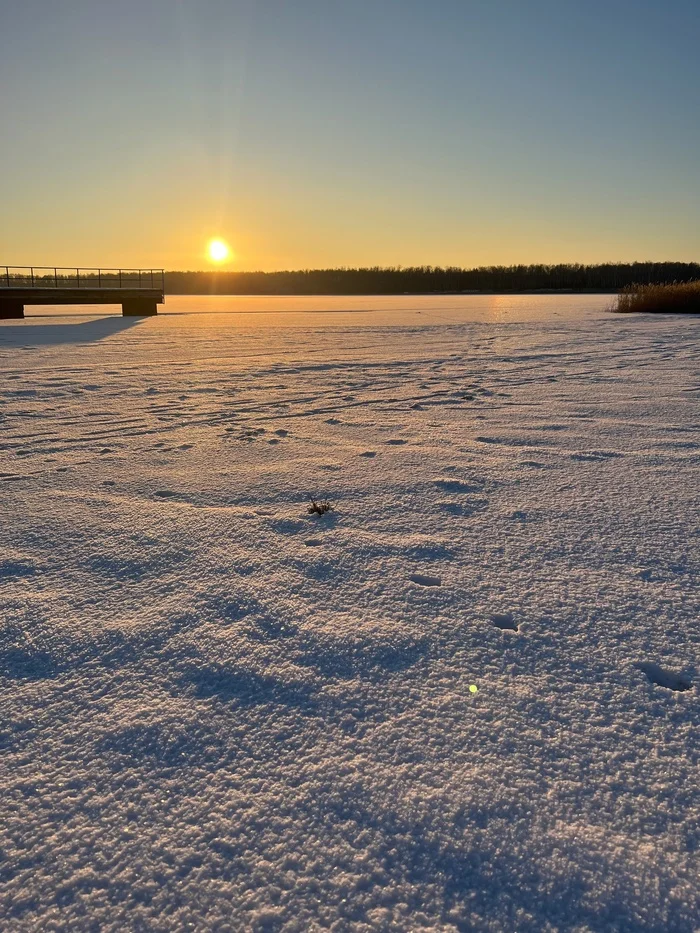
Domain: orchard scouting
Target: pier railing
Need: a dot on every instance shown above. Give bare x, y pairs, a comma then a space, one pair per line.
68, 277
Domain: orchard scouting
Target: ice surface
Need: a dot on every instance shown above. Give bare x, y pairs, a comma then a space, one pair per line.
220, 712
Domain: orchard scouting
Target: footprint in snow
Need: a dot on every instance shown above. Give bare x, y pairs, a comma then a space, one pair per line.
288, 526
16, 568
423, 579
664, 678
505, 621
458, 486
462, 509
250, 434
26, 662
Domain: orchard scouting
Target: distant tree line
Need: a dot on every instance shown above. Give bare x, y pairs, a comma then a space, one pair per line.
608, 277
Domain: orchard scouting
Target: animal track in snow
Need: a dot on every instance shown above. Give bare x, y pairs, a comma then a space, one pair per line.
505, 621
423, 579
664, 678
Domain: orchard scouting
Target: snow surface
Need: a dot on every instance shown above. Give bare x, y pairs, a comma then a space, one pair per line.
222, 713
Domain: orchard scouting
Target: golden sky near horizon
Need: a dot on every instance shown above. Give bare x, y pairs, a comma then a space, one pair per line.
308, 136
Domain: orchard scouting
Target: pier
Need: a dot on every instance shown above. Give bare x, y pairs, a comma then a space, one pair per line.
138, 291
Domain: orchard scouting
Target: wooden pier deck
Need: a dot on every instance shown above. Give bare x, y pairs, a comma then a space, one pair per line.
138, 291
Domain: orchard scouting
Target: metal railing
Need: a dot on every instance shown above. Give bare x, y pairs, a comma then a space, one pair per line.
68, 277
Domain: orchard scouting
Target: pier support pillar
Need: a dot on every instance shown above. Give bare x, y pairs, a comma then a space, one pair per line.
139, 307
10, 308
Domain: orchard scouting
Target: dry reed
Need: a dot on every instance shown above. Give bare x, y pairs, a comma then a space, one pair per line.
676, 298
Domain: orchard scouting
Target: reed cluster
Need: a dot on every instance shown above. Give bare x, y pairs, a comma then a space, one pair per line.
676, 298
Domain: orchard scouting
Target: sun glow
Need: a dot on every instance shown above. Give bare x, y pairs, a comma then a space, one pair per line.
218, 250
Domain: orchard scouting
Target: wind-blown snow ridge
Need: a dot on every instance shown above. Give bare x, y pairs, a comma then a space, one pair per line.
220, 712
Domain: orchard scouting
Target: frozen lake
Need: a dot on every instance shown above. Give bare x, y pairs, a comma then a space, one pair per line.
465, 699
363, 310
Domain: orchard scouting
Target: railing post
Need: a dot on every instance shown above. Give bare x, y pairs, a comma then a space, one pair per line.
139, 278
99, 278
32, 272
55, 278
77, 278
120, 278
7, 275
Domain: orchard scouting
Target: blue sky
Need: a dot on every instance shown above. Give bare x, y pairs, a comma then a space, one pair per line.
313, 133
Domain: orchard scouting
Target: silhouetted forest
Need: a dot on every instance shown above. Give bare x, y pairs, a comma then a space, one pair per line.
608, 277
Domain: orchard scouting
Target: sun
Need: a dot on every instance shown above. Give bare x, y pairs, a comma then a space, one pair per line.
218, 250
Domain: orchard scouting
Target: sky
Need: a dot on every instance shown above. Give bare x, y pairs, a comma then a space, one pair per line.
320, 133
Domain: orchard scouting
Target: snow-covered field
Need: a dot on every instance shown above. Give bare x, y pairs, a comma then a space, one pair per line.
219, 712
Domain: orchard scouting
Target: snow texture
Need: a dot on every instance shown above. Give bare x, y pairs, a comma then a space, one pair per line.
221, 712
